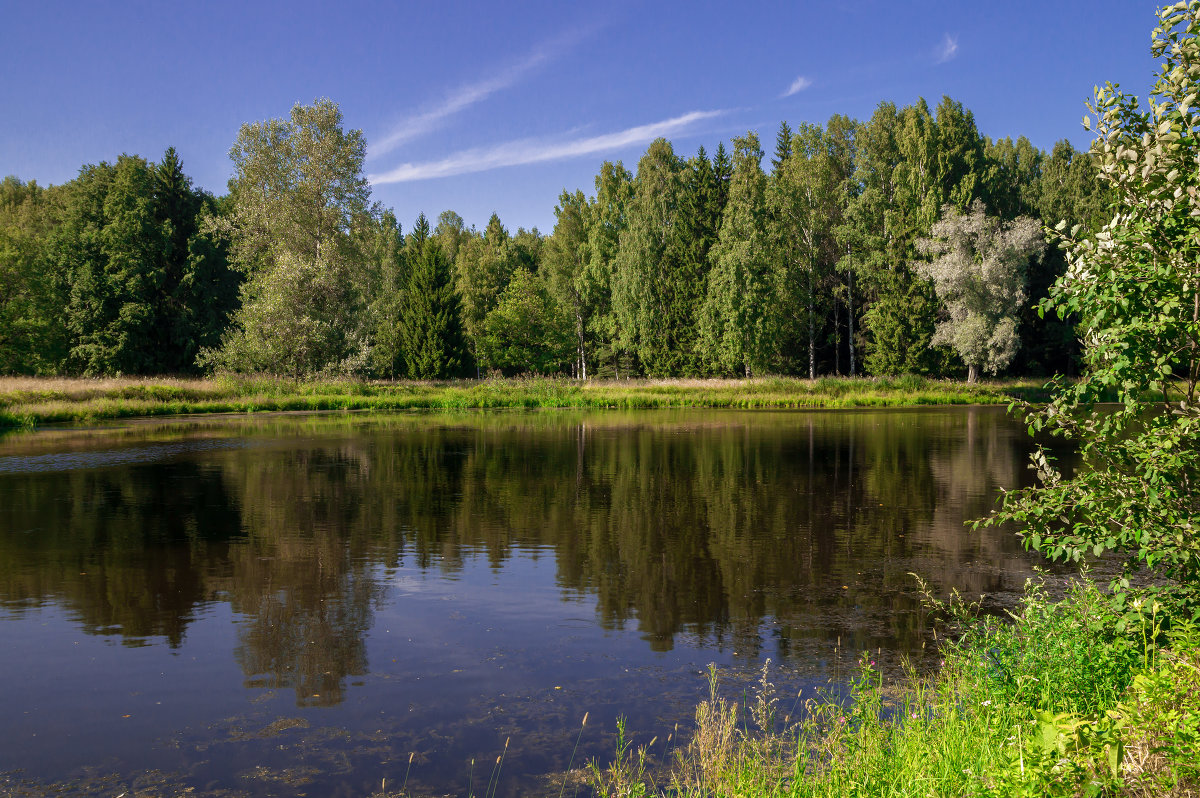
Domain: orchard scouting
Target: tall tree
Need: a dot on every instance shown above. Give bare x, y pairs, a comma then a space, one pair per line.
695, 233
960, 155
607, 222
383, 248
646, 271
450, 232
430, 332
32, 294
738, 325
484, 265
783, 146
297, 194
805, 198
978, 270
527, 332
564, 266
111, 245
197, 291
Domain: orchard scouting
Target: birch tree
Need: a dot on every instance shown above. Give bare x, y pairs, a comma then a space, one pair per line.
297, 194
738, 323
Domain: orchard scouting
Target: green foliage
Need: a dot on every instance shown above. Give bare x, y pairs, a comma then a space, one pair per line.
607, 221
484, 265
388, 269
738, 326
1133, 287
901, 325
1128, 727
1096, 651
527, 332
430, 334
1161, 716
646, 269
32, 333
296, 199
564, 269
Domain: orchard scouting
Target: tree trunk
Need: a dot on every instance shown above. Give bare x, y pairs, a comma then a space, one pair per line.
850, 316
972, 373
837, 344
812, 343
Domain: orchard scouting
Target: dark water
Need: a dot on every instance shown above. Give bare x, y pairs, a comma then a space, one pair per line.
290, 605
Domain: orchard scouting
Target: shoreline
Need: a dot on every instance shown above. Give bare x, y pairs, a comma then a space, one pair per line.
31, 402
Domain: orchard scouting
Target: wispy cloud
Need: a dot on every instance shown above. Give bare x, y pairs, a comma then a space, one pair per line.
798, 85
947, 49
529, 151
464, 97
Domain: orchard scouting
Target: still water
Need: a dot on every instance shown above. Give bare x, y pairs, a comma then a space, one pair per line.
291, 604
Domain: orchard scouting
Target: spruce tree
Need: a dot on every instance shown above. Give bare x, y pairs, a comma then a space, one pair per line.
430, 332
783, 147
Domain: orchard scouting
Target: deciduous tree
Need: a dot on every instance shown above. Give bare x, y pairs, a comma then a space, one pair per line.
1135, 287
978, 270
297, 194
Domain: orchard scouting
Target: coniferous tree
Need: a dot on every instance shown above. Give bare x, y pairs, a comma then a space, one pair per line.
385, 250
197, 290
723, 172
430, 332
695, 232
783, 146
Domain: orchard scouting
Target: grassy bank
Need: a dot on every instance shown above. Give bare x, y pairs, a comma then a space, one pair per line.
1069, 698
30, 402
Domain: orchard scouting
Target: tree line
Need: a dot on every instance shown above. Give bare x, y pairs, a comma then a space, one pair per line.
906, 243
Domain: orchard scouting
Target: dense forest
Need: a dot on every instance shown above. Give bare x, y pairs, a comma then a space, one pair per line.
908, 243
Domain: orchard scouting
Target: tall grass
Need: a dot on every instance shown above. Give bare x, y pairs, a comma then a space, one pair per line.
28, 402
1067, 698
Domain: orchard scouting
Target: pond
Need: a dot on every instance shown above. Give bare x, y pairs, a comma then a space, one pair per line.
331, 604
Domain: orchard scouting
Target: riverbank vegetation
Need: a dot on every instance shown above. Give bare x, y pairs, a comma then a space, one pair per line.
1064, 698
27, 401
1097, 694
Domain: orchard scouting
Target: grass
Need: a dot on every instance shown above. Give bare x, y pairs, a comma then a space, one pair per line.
1067, 698
27, 402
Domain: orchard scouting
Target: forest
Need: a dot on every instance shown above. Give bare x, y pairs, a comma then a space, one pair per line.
909, 243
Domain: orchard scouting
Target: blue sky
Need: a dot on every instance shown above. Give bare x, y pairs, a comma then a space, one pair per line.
482, 107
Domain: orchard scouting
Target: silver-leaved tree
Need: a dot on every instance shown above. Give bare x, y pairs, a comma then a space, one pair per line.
978, 272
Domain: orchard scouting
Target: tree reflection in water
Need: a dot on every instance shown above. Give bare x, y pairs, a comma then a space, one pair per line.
777, 530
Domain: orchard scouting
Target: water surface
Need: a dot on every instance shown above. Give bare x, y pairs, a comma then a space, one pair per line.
296, 604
